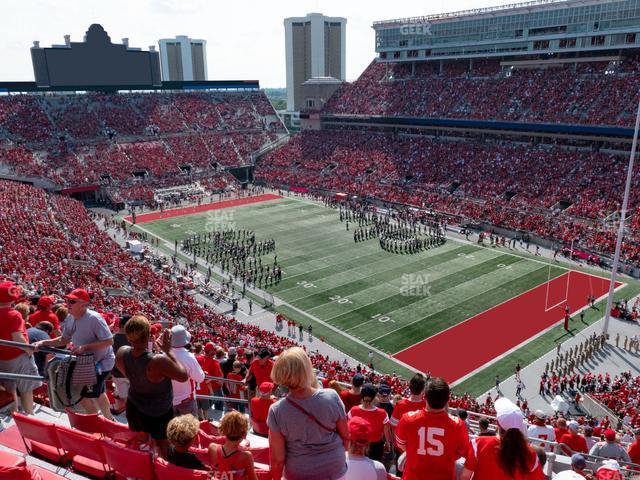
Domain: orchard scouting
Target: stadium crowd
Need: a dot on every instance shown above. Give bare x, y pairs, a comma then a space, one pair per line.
123, 300
595, 93
566, 195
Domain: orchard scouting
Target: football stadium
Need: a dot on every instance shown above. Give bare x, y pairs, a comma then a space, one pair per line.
429, 272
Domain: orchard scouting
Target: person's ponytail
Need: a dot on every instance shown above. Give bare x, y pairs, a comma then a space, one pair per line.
514, 452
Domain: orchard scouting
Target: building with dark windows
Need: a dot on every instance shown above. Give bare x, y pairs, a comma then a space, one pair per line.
183, 59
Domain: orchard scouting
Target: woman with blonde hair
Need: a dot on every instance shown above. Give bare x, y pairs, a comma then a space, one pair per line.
229, 460
308, 431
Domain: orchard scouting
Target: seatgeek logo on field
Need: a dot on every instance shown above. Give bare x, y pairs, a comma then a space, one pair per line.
416, 29
219, 221
415, 285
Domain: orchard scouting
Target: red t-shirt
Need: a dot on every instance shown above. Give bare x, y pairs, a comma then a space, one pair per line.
405, 406
575, 442
260, 408
10, 322
236, 390
349, 399
482, 459
433, 442
560, 432
262, 373
211, 367
44, 316
634, 452
376, 417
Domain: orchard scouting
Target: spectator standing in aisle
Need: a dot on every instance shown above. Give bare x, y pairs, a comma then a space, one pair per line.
308, 431
150, 400
15, 360
89, 334
184, 392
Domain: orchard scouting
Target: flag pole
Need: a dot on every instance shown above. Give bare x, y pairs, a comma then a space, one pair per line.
623, 215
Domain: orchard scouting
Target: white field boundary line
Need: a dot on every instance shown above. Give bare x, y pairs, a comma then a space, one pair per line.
354, 339
530, 339
476, 294
197, 206
381, 272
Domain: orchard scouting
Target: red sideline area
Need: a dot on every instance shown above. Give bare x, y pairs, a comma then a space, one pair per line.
177, 212
494, 332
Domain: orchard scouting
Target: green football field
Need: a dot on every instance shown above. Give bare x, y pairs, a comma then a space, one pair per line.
360, 297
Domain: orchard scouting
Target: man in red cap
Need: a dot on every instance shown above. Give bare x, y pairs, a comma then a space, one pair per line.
44, 314
359, 466
610, 448
211, 368
90, 334
15, 360
260, 404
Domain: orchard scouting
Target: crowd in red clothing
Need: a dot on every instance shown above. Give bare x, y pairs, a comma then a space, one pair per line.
521, 187
584, 93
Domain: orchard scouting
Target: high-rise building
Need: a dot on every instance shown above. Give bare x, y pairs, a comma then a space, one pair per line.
183, 58
314, 47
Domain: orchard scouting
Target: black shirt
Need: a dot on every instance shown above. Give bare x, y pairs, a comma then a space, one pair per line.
184, 460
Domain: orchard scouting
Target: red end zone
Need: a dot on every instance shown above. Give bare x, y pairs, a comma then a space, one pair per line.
177, 212
486, 336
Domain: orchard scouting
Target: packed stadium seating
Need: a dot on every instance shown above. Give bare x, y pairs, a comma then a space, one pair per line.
586, 93
564, 194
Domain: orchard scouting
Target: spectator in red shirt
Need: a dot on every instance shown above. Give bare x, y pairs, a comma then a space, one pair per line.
573, 442
260, 404
415, 402
560, 428
260, 369
211, 367
634, 449
431, 438
350, 398
237, 390
380, 435
15, 360
507, 456
44, 314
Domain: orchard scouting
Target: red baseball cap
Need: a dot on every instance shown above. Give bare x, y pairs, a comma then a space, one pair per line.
46, 301
9, 292
359, 429
79, 294
266, 388
610, 434
209, 347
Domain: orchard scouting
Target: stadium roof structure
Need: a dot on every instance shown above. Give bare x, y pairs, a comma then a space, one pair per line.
489, 11
32, 87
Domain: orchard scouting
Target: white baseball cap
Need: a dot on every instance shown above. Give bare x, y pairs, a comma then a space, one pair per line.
508, 414
568, 475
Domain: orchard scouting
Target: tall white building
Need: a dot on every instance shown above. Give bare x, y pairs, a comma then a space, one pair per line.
314, 47
183, 58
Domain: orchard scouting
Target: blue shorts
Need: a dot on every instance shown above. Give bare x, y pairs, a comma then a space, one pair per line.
98, 389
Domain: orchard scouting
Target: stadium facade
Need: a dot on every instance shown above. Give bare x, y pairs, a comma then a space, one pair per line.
541, 27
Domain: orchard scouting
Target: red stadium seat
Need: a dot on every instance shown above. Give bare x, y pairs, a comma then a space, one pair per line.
166, 471
127, 462
88, 423
41, 439
88, 456
13, 467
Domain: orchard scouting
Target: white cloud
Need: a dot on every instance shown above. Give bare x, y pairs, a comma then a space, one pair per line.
245, 39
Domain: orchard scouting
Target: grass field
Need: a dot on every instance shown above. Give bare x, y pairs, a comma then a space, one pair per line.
360, 297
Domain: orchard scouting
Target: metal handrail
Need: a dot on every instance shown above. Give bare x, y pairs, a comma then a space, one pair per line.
224, 380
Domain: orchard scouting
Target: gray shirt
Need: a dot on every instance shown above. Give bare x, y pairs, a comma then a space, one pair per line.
312, 453
610, 450
89, 328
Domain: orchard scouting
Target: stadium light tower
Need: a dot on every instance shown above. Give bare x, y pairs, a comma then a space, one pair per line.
623, 215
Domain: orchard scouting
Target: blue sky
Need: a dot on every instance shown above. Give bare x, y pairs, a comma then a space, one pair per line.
245, 39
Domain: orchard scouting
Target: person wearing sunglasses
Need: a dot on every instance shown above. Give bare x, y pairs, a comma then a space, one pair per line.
89, 333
